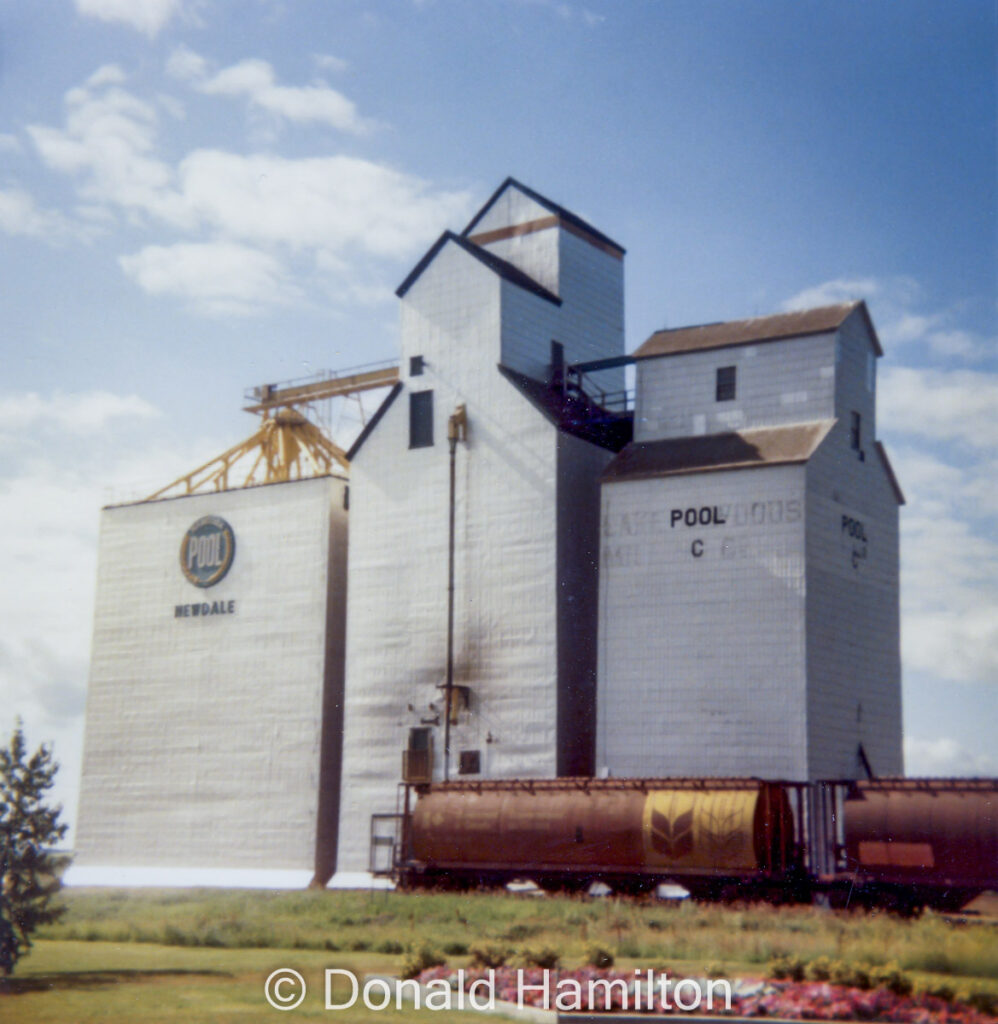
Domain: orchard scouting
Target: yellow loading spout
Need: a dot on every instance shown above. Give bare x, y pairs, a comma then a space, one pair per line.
287, 445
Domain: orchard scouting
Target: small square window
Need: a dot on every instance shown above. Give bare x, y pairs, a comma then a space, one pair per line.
725, 389
470, 763
421, 419
416, 366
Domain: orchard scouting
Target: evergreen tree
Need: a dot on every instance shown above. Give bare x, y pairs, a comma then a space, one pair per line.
28, 829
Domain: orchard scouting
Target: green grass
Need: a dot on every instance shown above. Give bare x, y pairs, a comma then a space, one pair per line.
151, 956
81, 983
394, 923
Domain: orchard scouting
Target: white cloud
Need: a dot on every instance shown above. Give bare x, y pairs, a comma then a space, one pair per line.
321, 203
87, 412
255, 80
147, 16
327, 62
109, 141
940, 405
331, 209
943, 757
219, 278
186, 65
19, 215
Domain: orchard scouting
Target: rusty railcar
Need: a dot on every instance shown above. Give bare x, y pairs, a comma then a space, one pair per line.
715, 837
916, 842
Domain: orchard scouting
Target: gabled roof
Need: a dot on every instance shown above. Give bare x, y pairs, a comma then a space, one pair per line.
501, 267
374, 420
758, 329
559, 212
889, 470
745, 449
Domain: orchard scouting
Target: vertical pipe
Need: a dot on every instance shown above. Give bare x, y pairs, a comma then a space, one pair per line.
449, 690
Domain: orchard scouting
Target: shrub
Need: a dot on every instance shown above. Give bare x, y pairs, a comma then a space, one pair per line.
489, 956
456, 948
786, 968
819, 969
984, 1002
545, 957
892, 978
389, 946
599, 957
715, 969
850, 975
420, 960
941, 991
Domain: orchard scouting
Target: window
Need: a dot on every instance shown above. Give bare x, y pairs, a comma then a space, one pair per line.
415, 366
855, 432
421, 419
417, 758
725, 391
470, 763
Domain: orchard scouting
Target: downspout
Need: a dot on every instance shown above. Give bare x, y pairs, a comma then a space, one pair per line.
457, 427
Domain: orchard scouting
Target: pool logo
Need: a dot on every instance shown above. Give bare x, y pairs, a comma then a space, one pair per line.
206, 551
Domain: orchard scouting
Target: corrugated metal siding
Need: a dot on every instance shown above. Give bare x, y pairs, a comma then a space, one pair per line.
203, 735
512, 207
854, 668
701, 668
505, 625
778, 382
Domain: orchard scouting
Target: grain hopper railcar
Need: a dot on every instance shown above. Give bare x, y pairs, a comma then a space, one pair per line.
714, 836
900, 843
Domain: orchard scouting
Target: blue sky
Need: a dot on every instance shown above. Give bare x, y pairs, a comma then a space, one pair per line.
197, 196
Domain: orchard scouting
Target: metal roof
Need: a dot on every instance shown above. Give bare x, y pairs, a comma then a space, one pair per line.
503, 268
763, 446
758, 329
559, 211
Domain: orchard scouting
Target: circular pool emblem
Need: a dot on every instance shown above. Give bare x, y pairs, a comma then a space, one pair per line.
206, 551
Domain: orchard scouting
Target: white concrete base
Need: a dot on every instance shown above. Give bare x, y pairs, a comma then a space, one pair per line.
359, 880
214, 878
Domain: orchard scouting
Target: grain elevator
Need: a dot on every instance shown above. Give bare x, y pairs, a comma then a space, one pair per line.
544, 574
749, 614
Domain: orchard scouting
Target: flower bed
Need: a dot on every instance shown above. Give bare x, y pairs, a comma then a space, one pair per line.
605, 990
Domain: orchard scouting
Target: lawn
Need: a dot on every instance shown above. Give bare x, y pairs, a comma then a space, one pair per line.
202, 955
84, 982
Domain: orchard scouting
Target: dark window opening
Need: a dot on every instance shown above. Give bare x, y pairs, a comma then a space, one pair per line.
420, 739
470, 762
415, 366
556, 371
725, 389
417, 758
855, 432
421, 419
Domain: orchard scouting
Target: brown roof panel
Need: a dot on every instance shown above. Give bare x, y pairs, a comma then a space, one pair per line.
758, 329
763, 446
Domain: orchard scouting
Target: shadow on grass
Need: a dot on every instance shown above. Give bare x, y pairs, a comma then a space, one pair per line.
67, 980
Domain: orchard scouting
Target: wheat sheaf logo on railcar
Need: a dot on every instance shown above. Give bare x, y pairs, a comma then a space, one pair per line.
722, 833
207, 550
671, 833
